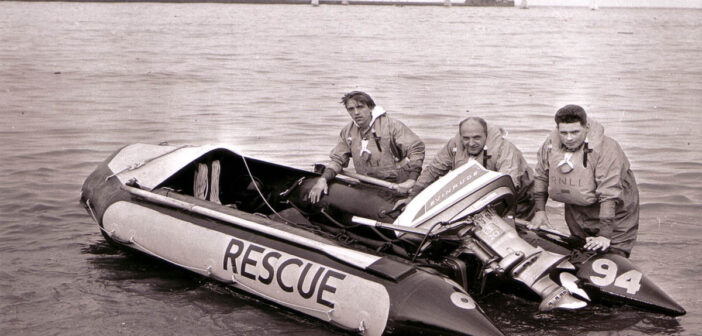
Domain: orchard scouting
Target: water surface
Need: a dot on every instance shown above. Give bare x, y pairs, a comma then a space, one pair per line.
80, 80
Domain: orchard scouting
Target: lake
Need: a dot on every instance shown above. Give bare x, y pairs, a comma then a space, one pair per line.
80, 80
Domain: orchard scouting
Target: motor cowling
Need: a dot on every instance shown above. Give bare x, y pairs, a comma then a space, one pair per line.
477, 199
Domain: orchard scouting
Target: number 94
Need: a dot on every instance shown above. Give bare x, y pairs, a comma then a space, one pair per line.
630, 280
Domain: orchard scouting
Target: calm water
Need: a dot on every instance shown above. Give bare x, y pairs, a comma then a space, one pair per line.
80, 80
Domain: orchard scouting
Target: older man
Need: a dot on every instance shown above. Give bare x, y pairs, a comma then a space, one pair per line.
486, 145
380, 147
588, 171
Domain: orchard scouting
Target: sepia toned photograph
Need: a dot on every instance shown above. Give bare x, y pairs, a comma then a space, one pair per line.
351, 167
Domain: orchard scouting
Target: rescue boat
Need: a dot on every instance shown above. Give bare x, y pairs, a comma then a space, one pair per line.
352, 259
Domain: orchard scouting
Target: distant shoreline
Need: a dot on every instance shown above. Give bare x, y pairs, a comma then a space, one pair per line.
592, 4
596, 4
485, 3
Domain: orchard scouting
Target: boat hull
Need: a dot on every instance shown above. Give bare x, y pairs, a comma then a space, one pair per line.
143, 198
350, 289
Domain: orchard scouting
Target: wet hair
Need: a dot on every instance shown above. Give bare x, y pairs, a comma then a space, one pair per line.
360, 97
571, 113
481, 121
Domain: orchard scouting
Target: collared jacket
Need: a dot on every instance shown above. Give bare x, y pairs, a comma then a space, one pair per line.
388, 150
499, 155
596, 184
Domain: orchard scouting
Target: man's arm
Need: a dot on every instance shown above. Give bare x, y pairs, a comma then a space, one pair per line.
511, 162
440, 165
610, 167
541, 187
541, 177
410, 146
339, 156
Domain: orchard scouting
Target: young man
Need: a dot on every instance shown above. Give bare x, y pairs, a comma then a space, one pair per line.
379, 146
486, 145
588, 171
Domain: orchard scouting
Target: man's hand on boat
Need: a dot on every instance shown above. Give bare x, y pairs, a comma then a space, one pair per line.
401, 204
597, 243
540, 219
319, 187
404, 187
591, 243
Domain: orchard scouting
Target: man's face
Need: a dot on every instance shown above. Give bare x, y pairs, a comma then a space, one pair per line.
359, 112
572, 134
473, 137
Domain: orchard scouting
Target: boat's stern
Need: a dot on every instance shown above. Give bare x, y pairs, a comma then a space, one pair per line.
616, 278
430, 306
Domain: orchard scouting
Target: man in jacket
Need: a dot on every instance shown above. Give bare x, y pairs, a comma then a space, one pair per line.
588, 171
380, 147
485, 144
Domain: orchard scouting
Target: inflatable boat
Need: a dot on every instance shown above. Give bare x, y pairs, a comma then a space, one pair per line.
353, 259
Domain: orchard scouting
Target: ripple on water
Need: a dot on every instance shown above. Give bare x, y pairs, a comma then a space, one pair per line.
515, 316
271, 86
692, 209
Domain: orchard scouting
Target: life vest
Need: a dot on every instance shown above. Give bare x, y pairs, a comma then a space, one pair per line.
374, 157
375, 153
571, 178
493, 143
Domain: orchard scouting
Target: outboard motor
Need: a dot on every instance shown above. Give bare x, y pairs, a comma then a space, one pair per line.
472, 201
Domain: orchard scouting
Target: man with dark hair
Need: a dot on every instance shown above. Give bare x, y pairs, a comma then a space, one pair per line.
380, 147
486, 145
588, 171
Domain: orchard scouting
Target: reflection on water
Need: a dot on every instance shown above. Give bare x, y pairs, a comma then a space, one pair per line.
135, 274
80, 80
517, 316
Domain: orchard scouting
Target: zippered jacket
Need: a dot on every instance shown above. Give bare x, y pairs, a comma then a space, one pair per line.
499, 154
388, 150
595, 183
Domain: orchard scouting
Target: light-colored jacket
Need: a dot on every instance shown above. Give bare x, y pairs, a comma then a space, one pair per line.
388, 150
607, 203
499, 154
